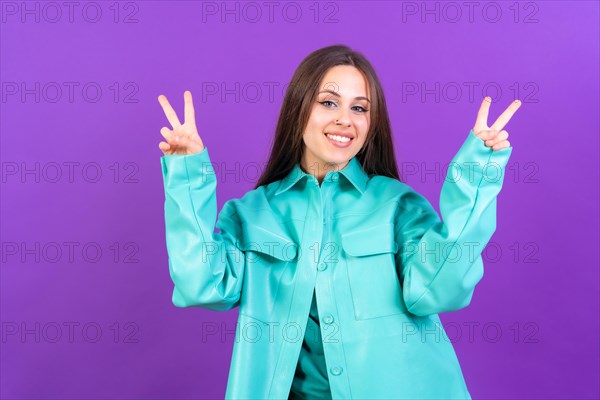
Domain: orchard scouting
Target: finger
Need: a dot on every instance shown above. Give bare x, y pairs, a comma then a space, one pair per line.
180, 137
487, 134
164, 146
169, 112
502, 135
506, 116
482, 115
166, 133
502, 145
189, 109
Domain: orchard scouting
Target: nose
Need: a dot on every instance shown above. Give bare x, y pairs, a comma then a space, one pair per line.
342, 119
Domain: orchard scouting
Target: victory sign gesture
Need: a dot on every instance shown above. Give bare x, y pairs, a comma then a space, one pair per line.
183, 138
494, 136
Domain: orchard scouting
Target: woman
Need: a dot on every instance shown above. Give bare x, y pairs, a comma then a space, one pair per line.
338, 268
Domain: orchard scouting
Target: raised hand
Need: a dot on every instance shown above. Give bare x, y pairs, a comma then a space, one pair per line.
183, 138
494, 136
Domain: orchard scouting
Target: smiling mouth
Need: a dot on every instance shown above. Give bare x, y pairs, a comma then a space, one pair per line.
338, 138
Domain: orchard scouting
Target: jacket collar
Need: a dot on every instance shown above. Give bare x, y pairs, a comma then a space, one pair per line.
353, 171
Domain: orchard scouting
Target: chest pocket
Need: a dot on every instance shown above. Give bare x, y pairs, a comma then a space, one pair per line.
372, 272
271, 260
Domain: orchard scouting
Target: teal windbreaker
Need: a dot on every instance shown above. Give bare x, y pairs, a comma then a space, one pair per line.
380, 261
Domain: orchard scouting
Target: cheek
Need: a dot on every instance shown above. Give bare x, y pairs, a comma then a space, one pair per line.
311, 136
314, 128
362, 125
319, 119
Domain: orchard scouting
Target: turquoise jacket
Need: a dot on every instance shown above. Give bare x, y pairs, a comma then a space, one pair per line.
379, 259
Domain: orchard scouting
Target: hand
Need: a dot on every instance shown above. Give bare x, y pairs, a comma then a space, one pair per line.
494, 136
183, 139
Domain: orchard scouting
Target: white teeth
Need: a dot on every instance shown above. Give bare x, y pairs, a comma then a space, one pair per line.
339, 138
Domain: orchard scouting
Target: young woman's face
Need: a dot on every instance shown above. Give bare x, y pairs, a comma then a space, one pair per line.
342, 106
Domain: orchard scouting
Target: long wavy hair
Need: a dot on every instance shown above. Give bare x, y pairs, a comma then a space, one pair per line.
377, 153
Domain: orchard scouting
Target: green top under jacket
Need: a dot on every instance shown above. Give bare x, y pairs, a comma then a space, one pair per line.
310, 380
373, 252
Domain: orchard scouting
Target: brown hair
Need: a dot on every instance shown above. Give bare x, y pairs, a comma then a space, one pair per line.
377, 154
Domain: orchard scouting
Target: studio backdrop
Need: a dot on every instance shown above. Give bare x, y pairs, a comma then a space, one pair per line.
86, 296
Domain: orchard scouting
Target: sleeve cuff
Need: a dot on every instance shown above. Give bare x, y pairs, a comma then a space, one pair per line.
195, 169
483, 161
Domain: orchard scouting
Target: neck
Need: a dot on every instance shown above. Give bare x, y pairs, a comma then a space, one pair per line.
319, 169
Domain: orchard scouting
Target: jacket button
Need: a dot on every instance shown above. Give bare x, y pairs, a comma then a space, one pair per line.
335, 177
322, 266
328, 319
336, 370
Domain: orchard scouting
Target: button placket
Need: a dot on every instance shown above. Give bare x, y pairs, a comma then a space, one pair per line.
327, 308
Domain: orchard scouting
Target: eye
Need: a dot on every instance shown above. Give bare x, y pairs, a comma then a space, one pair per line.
326, 101
362, 109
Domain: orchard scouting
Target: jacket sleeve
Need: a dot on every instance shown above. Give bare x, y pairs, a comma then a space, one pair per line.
440, 260
207, 268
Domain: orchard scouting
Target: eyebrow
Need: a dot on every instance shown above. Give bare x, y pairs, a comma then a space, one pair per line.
338, 95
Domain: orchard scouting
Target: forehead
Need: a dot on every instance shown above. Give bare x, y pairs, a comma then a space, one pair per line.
346, 80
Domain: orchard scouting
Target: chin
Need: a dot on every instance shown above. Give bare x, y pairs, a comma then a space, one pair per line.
337, 159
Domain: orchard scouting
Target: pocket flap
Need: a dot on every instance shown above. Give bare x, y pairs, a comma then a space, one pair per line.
368, 241
263, 240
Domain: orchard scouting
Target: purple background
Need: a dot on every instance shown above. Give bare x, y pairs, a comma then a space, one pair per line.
532, 328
